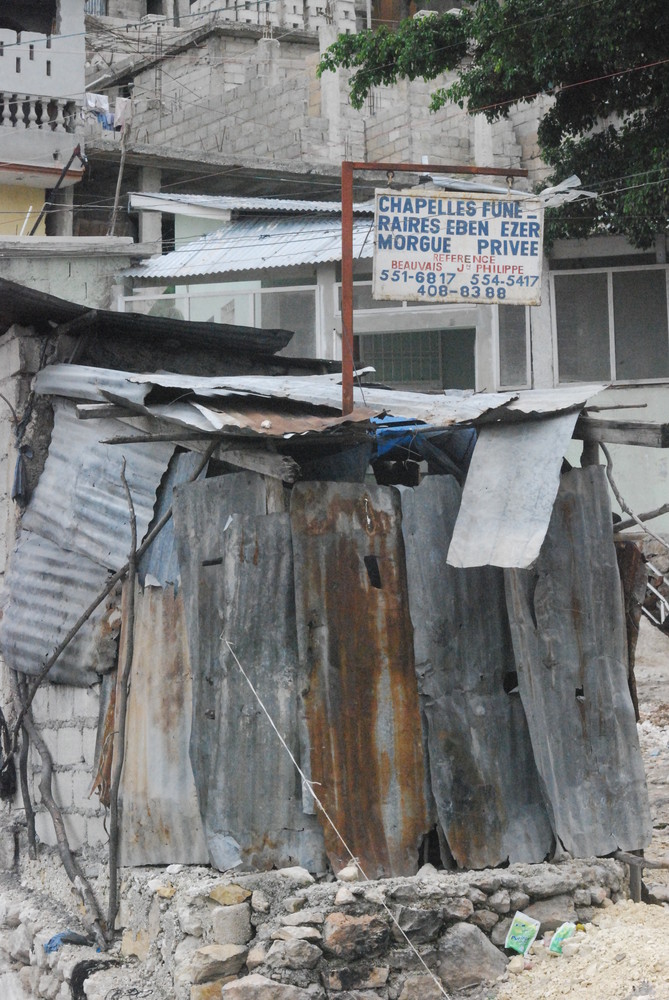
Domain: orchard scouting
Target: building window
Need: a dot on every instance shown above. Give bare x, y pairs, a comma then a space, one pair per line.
48, 67
420, 359
611, 324
31, 52
513, 343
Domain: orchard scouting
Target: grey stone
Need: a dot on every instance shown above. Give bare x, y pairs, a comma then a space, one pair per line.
485, 919
303, 917
500, 901
418, 925
467, 958
257, 955
552, 912
293, 955
597, 895
519, 900
585, 914
362, 977
232, 924
581, 897
305, 933
20, 943
213, 961
552, 880
460, 908
476, 896
487, 882
259, 901
296, 875
257, 987
420, 987
499, 932
351, 937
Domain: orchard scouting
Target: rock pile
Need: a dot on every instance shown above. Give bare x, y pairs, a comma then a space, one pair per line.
191, 934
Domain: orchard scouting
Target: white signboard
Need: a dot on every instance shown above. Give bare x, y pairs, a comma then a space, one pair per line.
454, 247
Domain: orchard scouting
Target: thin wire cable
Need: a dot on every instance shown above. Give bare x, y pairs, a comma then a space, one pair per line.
308, 784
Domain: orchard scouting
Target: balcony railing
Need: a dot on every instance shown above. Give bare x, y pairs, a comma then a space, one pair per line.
46, 113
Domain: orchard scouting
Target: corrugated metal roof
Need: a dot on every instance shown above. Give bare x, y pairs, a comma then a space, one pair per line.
197, 402
258, 244
29, 307
232, 203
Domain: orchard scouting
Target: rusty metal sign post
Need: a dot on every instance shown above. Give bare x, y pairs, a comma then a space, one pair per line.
347, 169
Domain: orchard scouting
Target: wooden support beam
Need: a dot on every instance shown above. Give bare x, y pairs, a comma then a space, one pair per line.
95, 411
634, 432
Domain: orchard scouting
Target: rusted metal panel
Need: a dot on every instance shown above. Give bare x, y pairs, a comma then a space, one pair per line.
356, 659
481, 768
567, 625
509, 493
237, 578
159, 816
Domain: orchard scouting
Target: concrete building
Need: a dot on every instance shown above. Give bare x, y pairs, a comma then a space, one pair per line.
42, 54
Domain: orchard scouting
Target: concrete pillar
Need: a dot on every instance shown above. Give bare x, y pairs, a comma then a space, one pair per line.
181, 13
543, 373
60, 212
484, 155
150, 223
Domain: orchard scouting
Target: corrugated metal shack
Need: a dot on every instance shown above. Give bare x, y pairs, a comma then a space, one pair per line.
447, 661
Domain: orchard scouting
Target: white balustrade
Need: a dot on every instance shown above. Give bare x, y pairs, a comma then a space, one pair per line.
27, 111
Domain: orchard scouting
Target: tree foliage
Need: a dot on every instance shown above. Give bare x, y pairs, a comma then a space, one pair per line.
603, 63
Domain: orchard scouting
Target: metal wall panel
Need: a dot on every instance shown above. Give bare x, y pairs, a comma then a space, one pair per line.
508, 497
76, 528
482, 773
79, 502
567, 624
159, 816
237, 577
44, 591
356, 659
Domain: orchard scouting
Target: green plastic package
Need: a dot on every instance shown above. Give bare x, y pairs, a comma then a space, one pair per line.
563, 932
522, 932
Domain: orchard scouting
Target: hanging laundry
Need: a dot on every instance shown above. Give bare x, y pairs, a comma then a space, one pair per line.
96, 102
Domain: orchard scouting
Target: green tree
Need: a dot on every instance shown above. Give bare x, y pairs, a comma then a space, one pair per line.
605, 64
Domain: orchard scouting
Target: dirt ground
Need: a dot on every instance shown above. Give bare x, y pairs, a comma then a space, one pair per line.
624, 953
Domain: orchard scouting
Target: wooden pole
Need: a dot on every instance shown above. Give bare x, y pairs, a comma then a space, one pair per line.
346, 287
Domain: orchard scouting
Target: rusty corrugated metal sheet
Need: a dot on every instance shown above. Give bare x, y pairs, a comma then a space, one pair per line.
356, 659
75, 529
237, 576
482, 773
567, 625
159, 816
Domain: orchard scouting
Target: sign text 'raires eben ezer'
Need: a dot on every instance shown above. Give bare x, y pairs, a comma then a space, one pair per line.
452, 248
